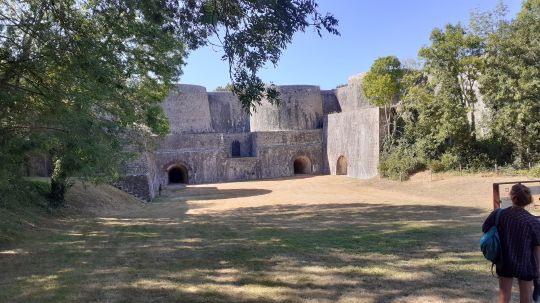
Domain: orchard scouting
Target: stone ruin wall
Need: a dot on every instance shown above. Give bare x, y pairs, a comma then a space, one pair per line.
357, 136
208, 159
227, 114
312, 124
141, 177
350, 97
300, 109
188, 110
277, 151
204, 155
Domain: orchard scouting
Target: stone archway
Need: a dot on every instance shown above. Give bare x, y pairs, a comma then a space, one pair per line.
302, 166
341, 166
178, 174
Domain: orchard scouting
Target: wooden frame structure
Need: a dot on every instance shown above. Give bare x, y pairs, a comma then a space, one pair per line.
496, 192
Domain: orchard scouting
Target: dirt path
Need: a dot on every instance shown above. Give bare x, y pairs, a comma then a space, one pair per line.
468, 191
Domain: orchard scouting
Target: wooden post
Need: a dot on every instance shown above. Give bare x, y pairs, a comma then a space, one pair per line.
460, 169
496, 196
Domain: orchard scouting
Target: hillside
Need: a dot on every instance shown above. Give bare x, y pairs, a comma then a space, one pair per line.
25, 209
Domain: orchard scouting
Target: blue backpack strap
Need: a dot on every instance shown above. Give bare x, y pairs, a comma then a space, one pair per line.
497, 215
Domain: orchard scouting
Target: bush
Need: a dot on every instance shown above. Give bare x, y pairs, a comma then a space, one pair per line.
480, 161
535, 171
487, 152
436, 166
400, 162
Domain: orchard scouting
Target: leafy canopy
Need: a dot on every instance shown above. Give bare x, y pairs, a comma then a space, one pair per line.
382, 83
78, 76
511, 82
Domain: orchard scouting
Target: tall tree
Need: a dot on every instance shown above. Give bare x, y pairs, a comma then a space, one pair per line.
453, 63
77, 76
511, 82
382, 85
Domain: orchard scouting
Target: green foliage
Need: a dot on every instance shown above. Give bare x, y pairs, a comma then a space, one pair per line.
254, 33
76, 78
448, 161
510, 82
489, 151
535, 171
227, 88
22, 204
382, 83
400, 162
453, 62
436, 115
485, 23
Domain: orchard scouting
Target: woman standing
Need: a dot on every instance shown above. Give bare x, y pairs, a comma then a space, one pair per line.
519, 232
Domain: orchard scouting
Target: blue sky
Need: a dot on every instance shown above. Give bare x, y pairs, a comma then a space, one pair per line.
369, 29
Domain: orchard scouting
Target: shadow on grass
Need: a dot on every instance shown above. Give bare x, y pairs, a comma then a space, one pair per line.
184, 193
288, 253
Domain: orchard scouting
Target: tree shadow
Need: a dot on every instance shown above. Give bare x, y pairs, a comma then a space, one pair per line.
282, 253
207, 193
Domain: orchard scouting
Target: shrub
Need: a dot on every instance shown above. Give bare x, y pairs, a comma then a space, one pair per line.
449, 161
535, 171
436, 166
400, 162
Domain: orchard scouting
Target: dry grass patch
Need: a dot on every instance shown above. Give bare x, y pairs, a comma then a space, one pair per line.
323, 252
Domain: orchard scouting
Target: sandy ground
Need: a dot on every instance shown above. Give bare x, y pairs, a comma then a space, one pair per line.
467, 191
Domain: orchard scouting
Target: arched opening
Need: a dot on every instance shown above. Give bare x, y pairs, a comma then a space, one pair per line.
302, 166
235, 149
341, 167
178, 174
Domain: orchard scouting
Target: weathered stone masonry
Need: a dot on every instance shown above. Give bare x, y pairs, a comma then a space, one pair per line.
212, 139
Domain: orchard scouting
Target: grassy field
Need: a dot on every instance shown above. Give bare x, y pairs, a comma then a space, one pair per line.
245, 242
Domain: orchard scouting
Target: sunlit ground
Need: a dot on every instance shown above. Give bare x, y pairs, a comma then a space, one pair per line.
265, 242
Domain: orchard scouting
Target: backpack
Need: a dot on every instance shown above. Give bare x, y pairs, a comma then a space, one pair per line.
490, 243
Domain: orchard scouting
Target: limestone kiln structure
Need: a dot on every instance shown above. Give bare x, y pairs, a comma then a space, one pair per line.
212, 139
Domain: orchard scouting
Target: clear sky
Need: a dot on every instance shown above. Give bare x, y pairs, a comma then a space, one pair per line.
369, 29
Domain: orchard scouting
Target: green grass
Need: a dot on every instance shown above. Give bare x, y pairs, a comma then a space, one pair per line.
294, 253
22, 207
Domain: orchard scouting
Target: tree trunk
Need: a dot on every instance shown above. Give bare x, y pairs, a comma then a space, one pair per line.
388, 126
59, 185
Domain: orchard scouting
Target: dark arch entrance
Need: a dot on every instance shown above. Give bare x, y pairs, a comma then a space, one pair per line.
235, 149
341, 167
302, 166
178, 174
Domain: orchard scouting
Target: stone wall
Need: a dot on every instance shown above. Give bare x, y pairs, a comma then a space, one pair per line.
226, 113
356, 135
277, 151
330, 102
188, 110
207, 157
239, 169
141, 177
152, 175
350, 97
311, 127
300, 109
